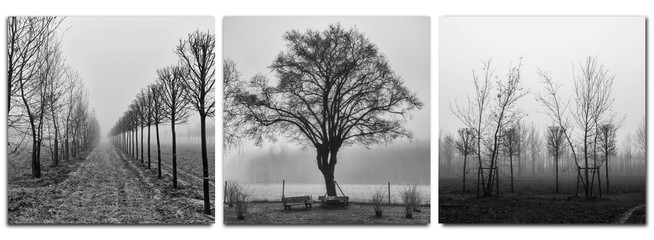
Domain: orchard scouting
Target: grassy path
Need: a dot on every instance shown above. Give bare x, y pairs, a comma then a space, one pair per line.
107, 188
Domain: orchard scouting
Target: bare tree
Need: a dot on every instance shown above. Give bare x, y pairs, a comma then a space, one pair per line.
26, 37
511, 147
158, 117
446, 149
465, 145
607, 143
198, 56
535, 147
641, 137
335, 89
173, 94
474, 115
53, 71
503, 113
592, 99
134, 116
142, 107
556, 148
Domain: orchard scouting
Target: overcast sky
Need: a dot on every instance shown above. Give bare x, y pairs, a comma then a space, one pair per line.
253, 43
118, 56
552, 44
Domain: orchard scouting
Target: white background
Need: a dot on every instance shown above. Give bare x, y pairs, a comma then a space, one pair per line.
434, 9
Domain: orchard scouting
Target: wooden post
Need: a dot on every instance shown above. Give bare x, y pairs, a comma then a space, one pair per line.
283, 185
389, 193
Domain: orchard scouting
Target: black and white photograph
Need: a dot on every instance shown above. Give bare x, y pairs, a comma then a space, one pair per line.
326, 120
111, 120
542, 120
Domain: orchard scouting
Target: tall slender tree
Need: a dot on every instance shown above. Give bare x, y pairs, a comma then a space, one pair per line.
198, 56
175, 100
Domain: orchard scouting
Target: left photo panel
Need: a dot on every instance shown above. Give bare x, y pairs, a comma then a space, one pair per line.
110, 120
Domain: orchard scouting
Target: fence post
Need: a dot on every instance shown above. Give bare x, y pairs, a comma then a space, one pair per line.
283, 185
389, 193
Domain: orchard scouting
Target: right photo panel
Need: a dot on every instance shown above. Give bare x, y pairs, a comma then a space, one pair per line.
542, 120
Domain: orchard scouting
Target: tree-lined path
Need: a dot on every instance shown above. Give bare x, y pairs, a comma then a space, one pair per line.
110, 188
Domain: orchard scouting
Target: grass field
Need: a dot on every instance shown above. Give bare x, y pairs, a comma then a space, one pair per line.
109, 188
534, 201
356, 213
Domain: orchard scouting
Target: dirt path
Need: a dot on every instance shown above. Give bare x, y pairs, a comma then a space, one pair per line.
110, 189
628, 214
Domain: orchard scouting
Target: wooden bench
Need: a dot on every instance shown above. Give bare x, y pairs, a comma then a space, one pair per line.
335, 200
298, 200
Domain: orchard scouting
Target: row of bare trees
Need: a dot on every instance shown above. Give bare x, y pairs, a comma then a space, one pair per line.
46, 97
180, 88
584, 128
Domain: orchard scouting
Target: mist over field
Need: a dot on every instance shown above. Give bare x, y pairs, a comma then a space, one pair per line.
401, 163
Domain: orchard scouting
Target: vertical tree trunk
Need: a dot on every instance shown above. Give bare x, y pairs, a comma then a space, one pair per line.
556, 166
136, 143
142, 158
156, 127
465, 160
148, 146
172, 127
36, 164
511, 166
205, 165
328, 174
607, 173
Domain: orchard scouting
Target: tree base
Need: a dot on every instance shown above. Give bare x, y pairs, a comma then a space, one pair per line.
378, 214
241, 217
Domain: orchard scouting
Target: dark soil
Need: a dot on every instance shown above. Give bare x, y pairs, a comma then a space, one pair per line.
534, 202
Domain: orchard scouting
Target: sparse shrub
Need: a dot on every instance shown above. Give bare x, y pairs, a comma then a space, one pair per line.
240, 200
377, 201
411, 199
231, 187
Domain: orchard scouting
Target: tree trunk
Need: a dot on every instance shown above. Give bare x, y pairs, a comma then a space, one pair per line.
142, 158
511, 165
148, 146
556, 171
172, 128
36, 164
465, 160
328, 174
136, 143
607, 172
156, 127
205, 165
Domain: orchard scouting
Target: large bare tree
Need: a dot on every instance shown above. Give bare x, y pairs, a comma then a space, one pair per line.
197, 54
334, 89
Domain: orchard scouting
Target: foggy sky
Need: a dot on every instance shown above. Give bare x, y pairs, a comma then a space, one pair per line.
552, 44
253, 43
118, 56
